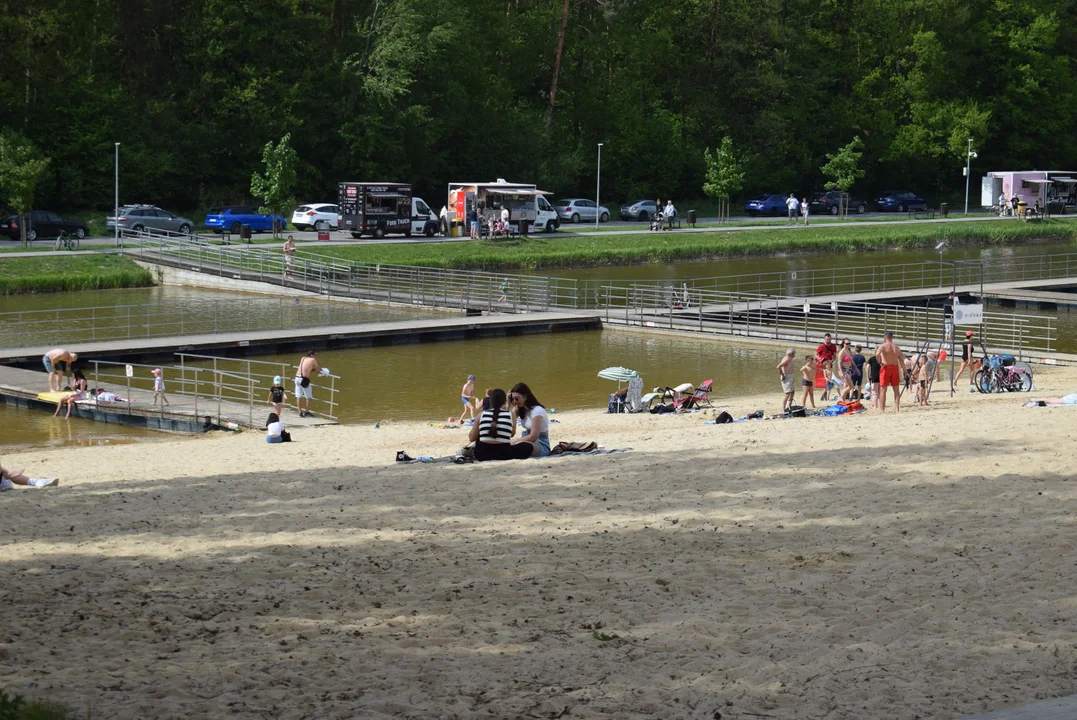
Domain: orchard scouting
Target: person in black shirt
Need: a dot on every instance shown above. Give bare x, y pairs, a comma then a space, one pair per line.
873, 375
968, 349
277, 396
858, 372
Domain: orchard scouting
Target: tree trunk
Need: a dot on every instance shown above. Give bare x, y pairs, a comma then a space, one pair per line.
557, 62
22, 229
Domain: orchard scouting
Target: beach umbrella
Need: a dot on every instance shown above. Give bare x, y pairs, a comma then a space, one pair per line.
619, 374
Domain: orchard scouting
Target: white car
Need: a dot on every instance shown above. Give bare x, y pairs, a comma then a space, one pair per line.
315, 215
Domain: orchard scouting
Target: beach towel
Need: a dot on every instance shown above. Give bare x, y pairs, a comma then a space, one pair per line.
573, 447
834, 410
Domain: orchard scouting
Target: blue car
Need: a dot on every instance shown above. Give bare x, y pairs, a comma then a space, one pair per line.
234, 218
766, 205
900, 201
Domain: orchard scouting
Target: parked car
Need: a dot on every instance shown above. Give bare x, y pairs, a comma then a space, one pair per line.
900, 201
766, 205
234, 218
149, 217
827, 202
642, 210
309, 216
577, 209
43, 224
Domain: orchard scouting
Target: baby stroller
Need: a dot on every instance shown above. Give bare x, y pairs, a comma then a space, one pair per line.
658, 221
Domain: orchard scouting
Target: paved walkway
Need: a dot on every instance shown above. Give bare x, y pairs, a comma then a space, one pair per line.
1064, 708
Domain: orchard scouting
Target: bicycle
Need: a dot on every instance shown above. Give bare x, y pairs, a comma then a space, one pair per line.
66, 240
1001, 373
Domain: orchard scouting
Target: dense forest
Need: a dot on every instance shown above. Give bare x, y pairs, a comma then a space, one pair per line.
432, 91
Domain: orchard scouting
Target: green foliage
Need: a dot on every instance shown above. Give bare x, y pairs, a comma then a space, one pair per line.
61, 273
844, 166
276, 186
21, 169
555, 252
13, 707
725, 176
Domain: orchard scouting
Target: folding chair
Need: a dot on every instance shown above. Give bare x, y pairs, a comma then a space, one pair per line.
700, 398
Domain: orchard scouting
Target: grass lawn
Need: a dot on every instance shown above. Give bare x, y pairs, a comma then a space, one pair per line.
548, 251
56, 273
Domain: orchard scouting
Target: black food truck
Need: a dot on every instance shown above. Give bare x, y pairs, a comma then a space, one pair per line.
379, 208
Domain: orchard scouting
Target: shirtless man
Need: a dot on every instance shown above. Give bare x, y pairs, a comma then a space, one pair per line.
289, 256
308, 365
891, 361
56, 363
785, 375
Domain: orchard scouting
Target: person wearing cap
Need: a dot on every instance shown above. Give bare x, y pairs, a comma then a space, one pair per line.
968, 348
308, 365
467, 396
277, 396
159, 387
56, 364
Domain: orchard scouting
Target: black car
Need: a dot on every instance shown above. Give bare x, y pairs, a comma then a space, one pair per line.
43, 224
827, 202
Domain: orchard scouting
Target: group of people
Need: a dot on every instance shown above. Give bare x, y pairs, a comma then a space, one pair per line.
499, 416
664, 215
797, 209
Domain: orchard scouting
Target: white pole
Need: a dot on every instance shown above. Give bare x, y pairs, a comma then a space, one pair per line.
598, 188
968, 172
116, 207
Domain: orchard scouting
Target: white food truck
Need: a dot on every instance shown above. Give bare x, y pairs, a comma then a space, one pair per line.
527, 205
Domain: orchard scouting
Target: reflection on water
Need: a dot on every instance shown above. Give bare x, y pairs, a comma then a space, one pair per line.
36, 428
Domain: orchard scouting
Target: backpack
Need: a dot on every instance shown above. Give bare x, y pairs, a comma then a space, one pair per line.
723, 418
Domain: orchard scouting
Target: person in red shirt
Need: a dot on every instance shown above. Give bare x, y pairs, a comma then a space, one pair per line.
824, 354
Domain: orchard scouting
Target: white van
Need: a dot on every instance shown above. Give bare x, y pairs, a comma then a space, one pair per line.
527, 204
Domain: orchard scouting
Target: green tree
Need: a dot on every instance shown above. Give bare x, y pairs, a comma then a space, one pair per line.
276, 186
844, 167
725, 176
21, 169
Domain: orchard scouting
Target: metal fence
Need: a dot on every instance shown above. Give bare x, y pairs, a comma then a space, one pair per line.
34, 328
794, 320
329, 275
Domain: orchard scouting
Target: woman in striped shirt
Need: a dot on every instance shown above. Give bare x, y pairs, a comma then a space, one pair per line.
493, 432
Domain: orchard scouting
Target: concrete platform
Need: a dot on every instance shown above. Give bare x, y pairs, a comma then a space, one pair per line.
1064, 708
184, 414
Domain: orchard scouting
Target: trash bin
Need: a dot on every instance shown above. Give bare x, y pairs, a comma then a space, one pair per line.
245, 233
944, 209
1022, 206
692, 218
524, 224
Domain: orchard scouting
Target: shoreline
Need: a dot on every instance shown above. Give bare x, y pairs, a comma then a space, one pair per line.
901, 566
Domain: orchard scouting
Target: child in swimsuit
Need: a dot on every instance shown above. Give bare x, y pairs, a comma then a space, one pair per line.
467, 396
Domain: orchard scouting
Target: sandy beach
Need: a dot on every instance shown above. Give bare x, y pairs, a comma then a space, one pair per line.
918, 565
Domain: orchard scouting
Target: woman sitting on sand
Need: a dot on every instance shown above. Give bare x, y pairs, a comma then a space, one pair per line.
275, 432
533, 418
1070, 399
11, 478
492, 434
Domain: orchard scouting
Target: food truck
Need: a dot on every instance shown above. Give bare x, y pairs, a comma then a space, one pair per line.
1056, 190
527, 205
379, 208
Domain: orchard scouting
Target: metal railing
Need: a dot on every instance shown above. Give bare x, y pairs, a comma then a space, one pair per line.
35, 328
930, 274
260, 375
794, 320
383, 282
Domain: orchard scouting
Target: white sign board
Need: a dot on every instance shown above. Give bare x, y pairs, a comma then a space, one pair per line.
807, 308
130, 370
968, 314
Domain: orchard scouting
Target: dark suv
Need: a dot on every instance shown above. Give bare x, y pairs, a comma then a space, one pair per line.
827, 202
43, 224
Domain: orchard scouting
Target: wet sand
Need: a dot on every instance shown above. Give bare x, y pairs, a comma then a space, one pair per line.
917, 565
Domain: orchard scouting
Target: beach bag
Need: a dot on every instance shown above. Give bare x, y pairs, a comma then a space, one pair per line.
723, 417
757, 415
662, 409
796, 411
285, 436
305, 382
851, 405
834, 410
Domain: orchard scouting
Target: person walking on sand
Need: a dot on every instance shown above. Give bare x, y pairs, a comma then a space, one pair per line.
467, 396
792, 204
56, 364
968, 348
289, 257
804, 210
159, 388
891, 361
807, 381
308, 365
923, 375
785, 374
277, 396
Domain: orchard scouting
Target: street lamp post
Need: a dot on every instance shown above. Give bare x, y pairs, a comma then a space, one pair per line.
116, 199
968, 173
598, 188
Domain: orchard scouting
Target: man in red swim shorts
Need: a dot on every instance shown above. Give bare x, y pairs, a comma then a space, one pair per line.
891, 360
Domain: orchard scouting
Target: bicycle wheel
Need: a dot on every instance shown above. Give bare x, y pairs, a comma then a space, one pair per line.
1023, 367
1024, 381
59, 242
73, 243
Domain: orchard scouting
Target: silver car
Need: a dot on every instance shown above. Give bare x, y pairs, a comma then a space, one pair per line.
578, 209
149, 217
